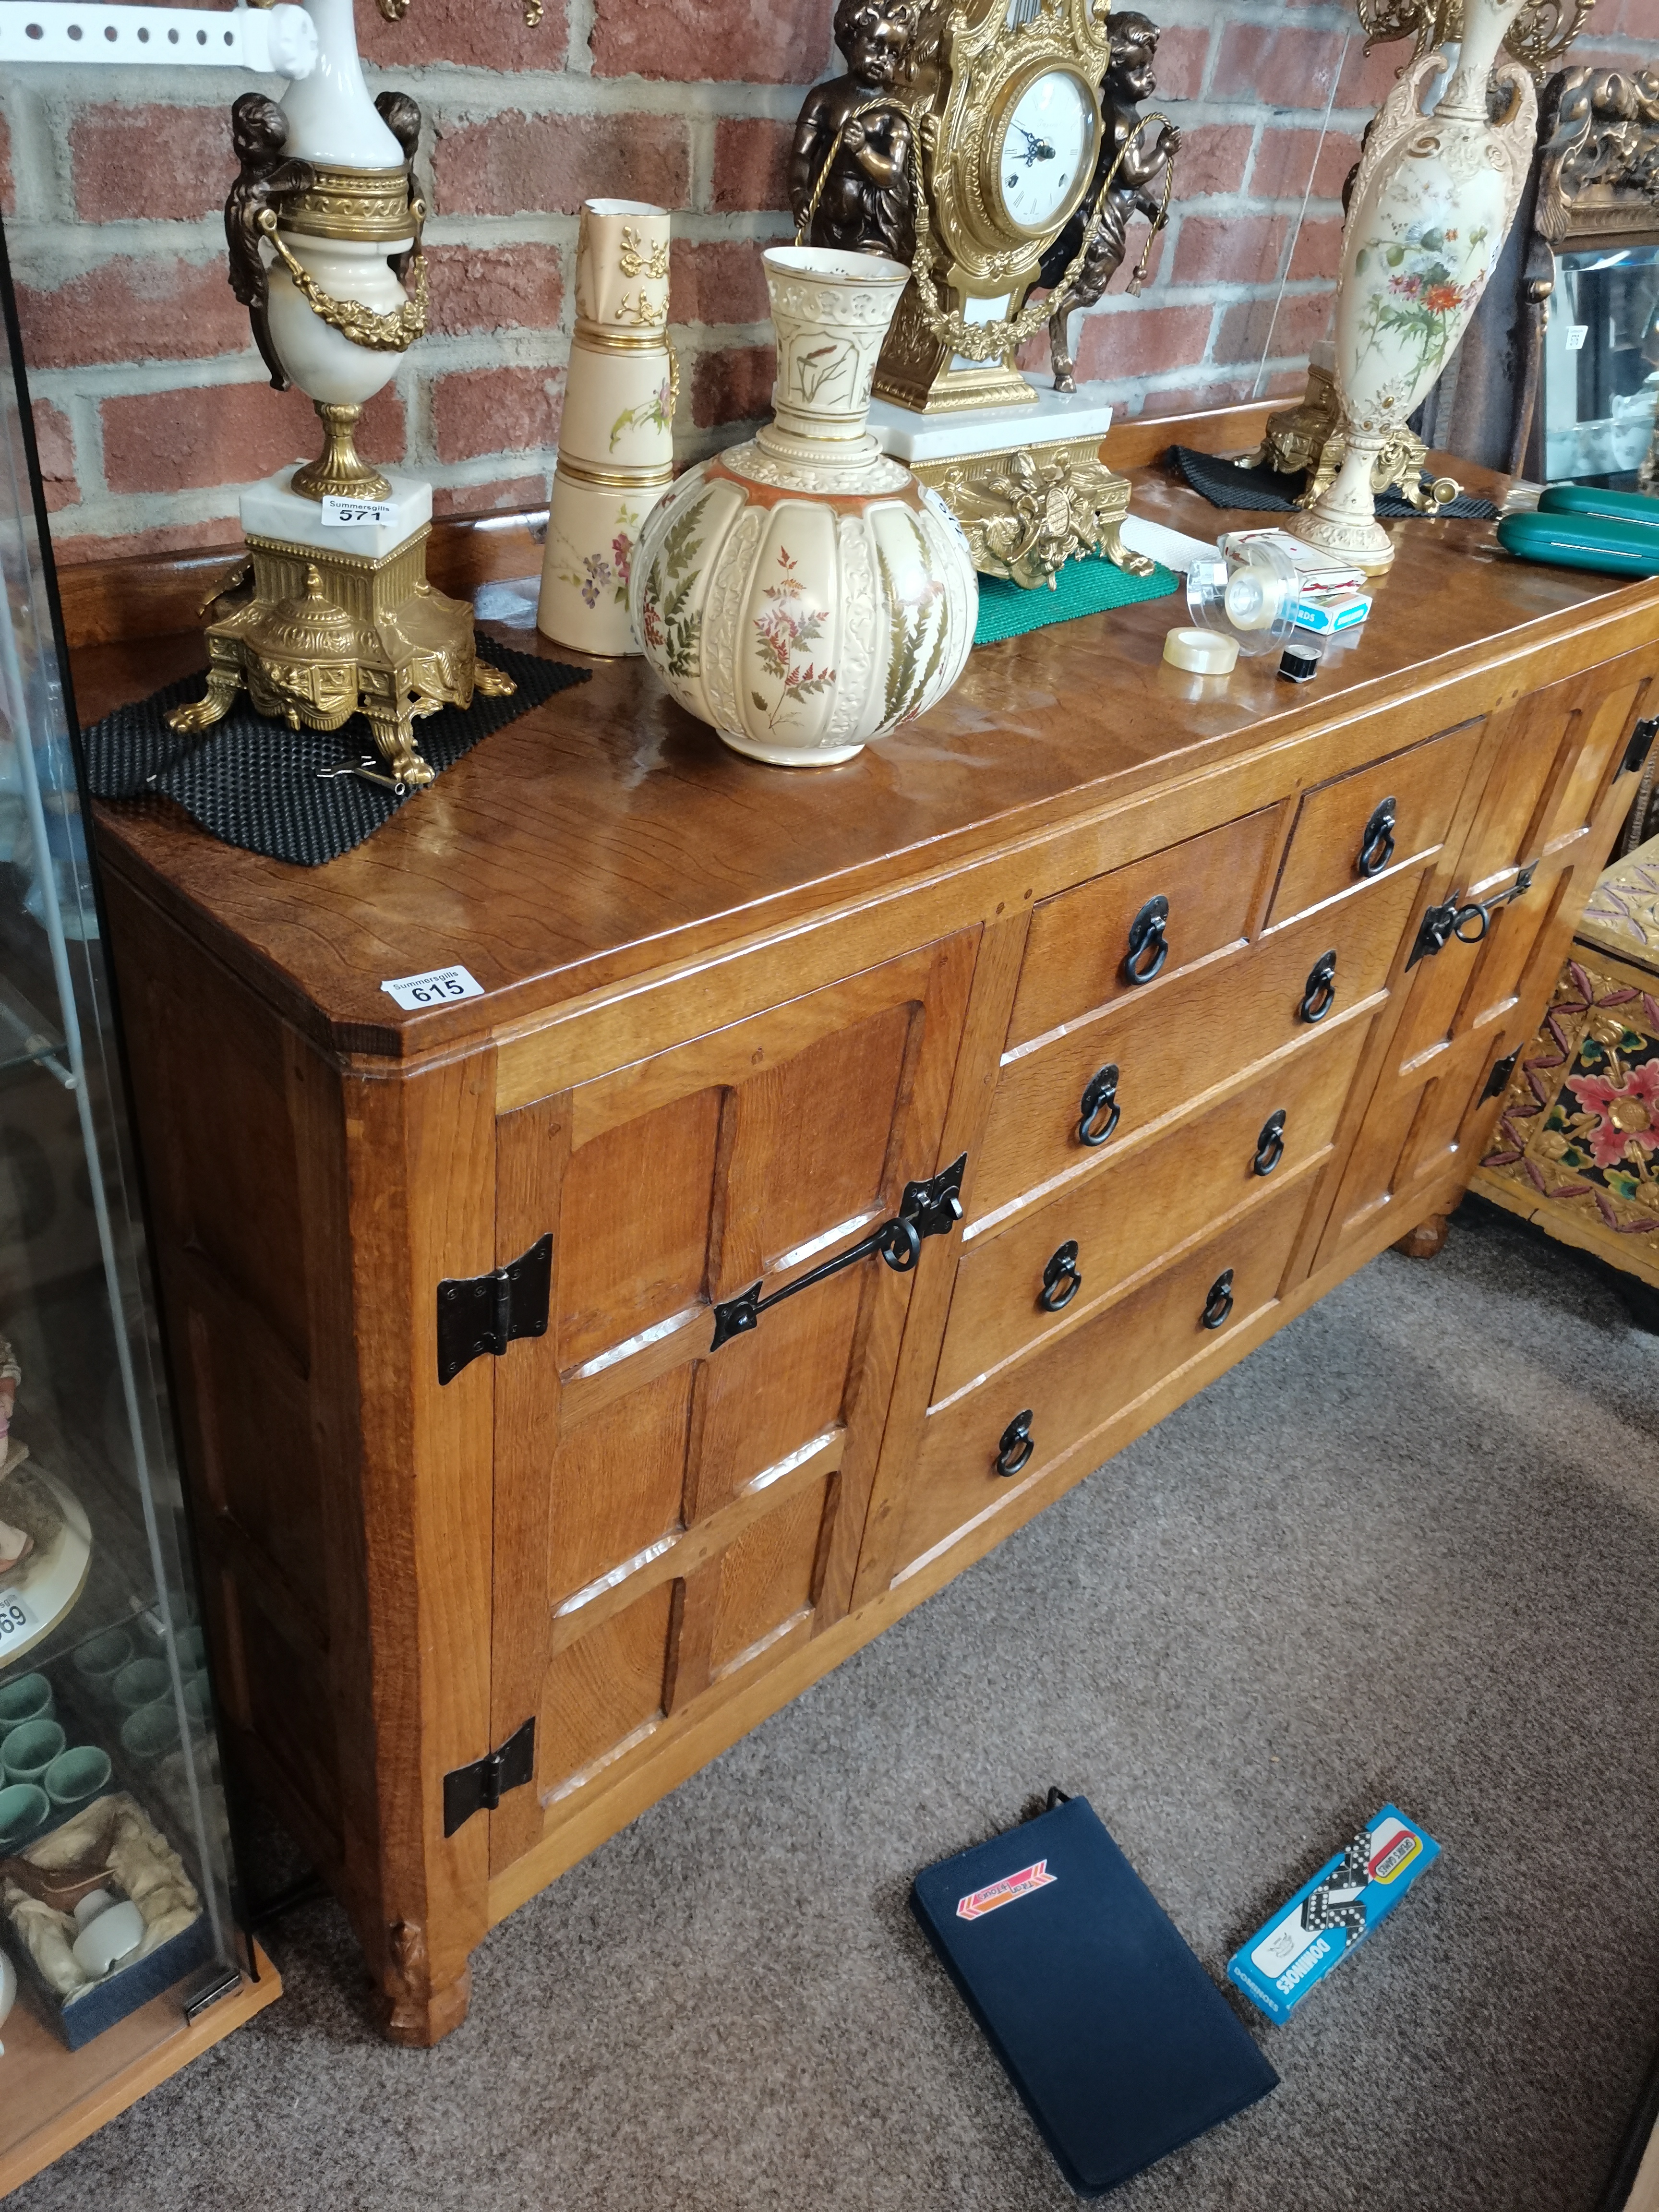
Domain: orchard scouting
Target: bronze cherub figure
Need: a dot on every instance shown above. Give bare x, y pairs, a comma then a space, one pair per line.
258, 132
1127, 81
864, 204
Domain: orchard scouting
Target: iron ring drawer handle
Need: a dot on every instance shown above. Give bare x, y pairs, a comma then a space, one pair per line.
1062, 1278
1377, 840
1270, 1144
1220, 1304
1100, 1096
1016, 1446
1320, 995
1149, 946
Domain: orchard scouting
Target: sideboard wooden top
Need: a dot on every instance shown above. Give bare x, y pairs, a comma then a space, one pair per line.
606, 833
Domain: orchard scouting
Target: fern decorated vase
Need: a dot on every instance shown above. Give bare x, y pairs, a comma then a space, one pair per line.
803, 592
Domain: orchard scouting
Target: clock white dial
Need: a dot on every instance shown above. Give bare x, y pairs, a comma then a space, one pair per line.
1048, 143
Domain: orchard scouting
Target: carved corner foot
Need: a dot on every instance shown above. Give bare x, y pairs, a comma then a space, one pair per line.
493, 682
202, 713
1427, 1240
412, 2011
1132, 564
394, 741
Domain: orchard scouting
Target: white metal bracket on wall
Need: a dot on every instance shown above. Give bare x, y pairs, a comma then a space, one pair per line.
276, 41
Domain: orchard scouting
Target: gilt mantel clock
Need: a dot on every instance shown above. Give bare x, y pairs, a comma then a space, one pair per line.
1008, 117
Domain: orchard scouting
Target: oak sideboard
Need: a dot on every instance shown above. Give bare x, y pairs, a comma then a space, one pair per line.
1111, 1015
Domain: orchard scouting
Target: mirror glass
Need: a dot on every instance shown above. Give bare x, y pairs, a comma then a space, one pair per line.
1601, 365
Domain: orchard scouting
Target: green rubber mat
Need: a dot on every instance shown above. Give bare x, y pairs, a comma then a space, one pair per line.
1083, 587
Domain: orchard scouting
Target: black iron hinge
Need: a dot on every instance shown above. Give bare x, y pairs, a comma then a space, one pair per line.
1640, 745
1499, 1081
479, 1788
484, 1313
1466, 921
927, 1209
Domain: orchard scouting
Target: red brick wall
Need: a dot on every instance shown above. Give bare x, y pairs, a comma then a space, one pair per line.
154, 407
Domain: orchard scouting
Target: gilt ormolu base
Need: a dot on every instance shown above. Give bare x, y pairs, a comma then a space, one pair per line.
324, 635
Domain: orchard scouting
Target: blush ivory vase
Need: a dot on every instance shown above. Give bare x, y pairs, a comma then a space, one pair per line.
803, 592
616, 433
1430, 209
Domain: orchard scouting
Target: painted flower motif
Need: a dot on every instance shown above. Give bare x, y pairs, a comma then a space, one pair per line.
1627, 1113
596, 574
788, 625
622, 555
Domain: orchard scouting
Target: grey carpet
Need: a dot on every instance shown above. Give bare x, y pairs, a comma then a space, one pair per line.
1408, 1550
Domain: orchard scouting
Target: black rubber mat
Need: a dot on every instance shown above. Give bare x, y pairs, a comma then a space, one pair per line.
252, 781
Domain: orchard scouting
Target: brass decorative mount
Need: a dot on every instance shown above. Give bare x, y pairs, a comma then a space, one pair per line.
1028, 512
1537, 37
1310, 436
324, 635
339, 472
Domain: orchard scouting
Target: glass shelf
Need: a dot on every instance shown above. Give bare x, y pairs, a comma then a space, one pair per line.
108, 1746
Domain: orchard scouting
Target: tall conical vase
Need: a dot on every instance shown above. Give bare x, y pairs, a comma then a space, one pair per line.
617, 437
803, 592
1430, 208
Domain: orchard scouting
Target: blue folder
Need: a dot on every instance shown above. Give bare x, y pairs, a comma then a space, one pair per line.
1113, 2034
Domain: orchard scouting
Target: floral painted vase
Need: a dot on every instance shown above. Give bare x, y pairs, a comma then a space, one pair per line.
1430, 208
616, 433
803, 592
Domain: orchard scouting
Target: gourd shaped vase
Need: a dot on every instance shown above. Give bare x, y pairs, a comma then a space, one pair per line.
803, 592
1430, 208
616, 434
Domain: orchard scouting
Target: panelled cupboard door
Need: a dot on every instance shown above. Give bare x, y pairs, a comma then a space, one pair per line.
1555, 794
672, 1518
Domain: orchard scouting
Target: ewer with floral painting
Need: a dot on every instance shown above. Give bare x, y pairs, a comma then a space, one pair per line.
1430, 209
803, 592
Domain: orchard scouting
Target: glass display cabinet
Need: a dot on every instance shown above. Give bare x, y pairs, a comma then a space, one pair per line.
120, 1957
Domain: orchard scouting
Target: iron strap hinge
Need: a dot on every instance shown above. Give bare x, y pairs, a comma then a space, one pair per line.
479, 1788
1499, 1081
1467, 921
484, 1313
927, 1209
1640, 745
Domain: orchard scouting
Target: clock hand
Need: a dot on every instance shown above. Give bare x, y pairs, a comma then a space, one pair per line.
1036, 149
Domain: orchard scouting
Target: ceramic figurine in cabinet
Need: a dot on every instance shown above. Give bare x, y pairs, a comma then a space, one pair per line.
616, 434
15, 1544
864, 203
1138, 187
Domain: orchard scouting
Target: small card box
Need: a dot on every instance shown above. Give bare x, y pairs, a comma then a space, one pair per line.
1352, 1894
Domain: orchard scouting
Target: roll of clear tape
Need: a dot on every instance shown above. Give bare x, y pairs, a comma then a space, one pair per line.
1201, 652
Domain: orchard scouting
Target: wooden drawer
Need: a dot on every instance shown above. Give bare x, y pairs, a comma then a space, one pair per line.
1075, 955
1170, 1046
1328, 852
1151, 1202
1076, 1383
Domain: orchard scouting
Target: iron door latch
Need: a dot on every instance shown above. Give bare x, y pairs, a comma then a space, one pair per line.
1640, 745
484, 1313
1467, 921
927, 1209
479, 1788
1499, 1081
